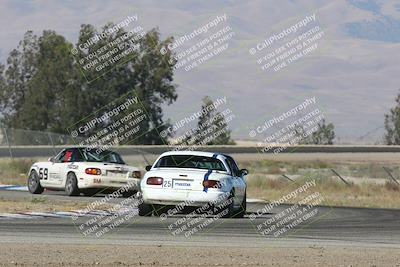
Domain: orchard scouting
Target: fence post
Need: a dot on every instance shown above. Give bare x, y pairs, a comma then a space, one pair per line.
8, 143
52, 143
390, 174
287, 177
341, 178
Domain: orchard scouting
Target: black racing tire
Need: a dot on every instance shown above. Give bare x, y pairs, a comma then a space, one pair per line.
71, 185
127, 194
90, 192
160, 210
145, 209
242, 209
34, 183
226, 209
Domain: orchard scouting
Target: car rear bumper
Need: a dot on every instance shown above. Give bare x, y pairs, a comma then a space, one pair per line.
183, 197
132, 184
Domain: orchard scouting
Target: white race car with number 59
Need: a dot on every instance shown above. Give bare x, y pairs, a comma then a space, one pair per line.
84, 170
193, 179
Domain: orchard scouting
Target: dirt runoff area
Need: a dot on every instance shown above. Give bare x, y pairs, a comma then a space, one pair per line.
128, 255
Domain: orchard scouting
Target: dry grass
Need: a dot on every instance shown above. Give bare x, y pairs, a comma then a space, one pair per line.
266, 182
333, 191
42, 204
14, 172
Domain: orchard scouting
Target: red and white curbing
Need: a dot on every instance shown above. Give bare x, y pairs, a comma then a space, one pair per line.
65, 214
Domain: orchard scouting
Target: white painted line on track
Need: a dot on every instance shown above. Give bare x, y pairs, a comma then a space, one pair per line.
14, 188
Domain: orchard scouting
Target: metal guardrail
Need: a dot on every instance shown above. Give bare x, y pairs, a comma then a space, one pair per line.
47, 151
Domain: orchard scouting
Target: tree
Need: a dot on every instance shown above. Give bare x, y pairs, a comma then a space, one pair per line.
392, 124
212, 128
21, 67
48, 105
44, 89
324, 135
2, 83
147, 74
39, 75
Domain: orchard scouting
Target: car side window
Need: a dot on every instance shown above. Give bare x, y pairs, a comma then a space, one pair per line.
76, 156
232, 165
65, 156
59, 158
68, 156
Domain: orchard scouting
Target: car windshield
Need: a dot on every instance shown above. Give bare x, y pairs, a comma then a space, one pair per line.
190, 161
104, 156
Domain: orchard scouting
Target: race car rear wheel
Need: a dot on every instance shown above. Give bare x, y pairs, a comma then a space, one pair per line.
242, 209
226, 209
34, 183
71, 185
160, 210
145, 209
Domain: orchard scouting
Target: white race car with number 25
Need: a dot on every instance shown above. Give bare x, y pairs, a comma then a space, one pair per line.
193, 179
84, 170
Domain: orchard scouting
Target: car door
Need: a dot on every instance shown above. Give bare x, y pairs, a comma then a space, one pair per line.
238, 180
56, 171
43, 173
69, 163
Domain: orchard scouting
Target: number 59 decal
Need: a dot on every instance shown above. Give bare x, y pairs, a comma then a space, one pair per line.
43, 173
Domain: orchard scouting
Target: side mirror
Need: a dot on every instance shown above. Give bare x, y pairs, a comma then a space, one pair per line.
51, 159
148, 167
244, 172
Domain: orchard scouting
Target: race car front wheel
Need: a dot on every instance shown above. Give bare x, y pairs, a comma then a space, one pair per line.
71, 185
34, 183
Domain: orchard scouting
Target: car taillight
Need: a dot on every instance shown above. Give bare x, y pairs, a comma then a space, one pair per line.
154, 181
211, 184
136, 174
93, 171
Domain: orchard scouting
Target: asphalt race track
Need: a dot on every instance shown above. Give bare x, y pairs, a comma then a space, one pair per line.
331, 226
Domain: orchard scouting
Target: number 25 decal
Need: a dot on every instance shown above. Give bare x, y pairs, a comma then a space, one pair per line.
43, 173
167, 184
